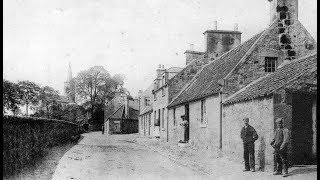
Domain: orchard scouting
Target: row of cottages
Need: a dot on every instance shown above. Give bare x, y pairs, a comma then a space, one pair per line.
259, 72
123, 118
153, 118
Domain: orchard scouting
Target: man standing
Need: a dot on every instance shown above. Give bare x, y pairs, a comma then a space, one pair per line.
280, 145
249, 136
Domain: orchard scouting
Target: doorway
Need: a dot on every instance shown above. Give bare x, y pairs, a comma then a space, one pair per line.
302, 131
186, 110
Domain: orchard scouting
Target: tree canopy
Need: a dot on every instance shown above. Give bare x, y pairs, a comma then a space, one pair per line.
11, 96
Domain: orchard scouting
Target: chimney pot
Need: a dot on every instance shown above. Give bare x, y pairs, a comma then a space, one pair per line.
191, 47
159, 66
162, 66
215, 25
235, 26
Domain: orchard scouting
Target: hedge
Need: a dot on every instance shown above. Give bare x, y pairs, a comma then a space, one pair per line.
26, 138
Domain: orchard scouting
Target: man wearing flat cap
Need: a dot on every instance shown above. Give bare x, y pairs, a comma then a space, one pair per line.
280, 144
248, 136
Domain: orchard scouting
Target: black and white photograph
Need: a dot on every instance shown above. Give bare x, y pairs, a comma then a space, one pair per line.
159, 89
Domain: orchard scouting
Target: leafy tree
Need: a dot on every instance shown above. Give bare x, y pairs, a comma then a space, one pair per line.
48, 97
95, 86
29, 92
11, 96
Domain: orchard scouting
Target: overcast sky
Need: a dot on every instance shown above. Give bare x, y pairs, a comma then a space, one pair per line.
131, 37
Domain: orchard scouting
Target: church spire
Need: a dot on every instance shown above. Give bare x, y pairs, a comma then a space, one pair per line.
69, 73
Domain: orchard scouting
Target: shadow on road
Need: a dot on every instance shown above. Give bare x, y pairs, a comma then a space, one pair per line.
302, 170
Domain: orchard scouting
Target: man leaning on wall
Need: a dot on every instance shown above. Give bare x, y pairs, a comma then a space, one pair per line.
280, 144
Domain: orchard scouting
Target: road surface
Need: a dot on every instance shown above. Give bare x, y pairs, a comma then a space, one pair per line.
99, 156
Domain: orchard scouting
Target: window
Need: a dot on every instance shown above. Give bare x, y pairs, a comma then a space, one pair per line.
174, 117
162, 123
155, 96
155, 119
163, 80
270, 64
203, 111
147, 101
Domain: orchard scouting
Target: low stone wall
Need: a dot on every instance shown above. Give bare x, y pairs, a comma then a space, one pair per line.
26, 138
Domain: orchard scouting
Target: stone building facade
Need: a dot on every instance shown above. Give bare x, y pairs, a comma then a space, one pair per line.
201, 98
289, 93
146, 121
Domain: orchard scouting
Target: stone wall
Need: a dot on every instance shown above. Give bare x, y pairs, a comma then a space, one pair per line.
260, 113
176, 131
160, 103
205, 135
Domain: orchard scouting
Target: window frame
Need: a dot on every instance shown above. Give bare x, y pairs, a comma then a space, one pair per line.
270, 64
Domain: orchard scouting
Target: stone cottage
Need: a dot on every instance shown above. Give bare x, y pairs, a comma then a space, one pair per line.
124, 117
161, 99
290, 92
201, 99
146, 123
169, 82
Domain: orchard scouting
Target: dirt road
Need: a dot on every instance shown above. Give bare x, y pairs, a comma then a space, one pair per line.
99, 156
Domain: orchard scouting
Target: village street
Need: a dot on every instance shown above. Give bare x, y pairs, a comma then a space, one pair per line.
98, 156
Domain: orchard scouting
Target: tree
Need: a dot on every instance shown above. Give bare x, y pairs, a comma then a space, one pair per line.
29, 92
48, 97
11, 96
95, 86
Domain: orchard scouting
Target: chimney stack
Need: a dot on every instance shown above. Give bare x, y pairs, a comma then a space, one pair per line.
217, 42
235, 26
283, 10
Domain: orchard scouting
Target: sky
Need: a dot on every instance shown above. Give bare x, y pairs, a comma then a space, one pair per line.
131, 37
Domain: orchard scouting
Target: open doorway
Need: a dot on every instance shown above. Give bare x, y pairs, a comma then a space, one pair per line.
186, 110
302, 129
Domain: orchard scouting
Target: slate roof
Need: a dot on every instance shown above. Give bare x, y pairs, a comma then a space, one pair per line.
134, 105
146, 109
133, 114
286, 75
205, 83
117, 114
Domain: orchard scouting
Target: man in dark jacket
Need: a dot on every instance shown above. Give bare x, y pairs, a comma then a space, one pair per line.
249, 136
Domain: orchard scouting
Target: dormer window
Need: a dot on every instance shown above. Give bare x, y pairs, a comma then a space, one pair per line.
270, 64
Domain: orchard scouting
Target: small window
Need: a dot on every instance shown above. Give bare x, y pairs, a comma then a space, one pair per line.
174, 117
203, 111
270, 64
155, 96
